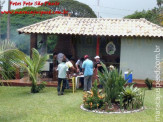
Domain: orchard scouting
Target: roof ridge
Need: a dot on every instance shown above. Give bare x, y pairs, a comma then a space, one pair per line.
154, 24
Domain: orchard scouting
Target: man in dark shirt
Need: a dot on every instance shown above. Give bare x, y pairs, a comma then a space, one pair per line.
98, 64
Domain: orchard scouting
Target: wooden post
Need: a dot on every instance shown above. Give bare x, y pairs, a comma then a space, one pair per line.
44, 47
98, 46
54, 67
33, 42
17, 74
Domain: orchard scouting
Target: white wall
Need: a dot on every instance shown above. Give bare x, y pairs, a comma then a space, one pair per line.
138, 54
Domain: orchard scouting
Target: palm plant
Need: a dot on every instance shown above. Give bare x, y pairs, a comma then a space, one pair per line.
16, 58
6, 50
112, 82
33, 66
159, 3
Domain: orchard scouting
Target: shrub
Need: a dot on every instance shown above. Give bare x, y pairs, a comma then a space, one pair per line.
112, 82
93, 99
149, 83
38, 88
131, 98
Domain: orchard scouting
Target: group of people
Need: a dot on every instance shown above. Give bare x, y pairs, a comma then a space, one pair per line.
83, 65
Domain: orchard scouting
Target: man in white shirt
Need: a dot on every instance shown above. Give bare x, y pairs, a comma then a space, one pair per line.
62, 76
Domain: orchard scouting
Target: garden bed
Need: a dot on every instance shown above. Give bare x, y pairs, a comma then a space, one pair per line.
116, 111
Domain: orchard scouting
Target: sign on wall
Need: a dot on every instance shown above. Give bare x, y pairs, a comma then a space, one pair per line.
110, 48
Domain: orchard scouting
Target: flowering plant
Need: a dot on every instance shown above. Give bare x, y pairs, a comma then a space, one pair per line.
93, 99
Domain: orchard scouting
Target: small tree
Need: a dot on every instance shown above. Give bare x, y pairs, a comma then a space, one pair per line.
33, 66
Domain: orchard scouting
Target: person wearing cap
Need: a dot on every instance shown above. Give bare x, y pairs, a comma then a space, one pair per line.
98, 64
88, 73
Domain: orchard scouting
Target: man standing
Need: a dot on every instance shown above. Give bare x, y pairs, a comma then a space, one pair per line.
62, 76
98, 65
60, 57
88, 73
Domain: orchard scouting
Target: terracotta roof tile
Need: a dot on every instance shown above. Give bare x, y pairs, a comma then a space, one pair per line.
95, 26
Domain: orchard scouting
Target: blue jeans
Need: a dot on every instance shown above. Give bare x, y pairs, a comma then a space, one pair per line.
67, 84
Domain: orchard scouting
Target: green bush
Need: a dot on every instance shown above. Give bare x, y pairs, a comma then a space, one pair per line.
149, 83
38, 88
112, 82
131, 98
93, 99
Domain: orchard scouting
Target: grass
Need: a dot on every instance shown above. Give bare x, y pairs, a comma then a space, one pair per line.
17, 104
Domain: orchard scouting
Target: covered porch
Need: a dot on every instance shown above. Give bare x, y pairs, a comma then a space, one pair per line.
75, 44
108, 38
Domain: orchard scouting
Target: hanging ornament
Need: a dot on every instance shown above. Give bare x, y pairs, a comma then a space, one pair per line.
110, 48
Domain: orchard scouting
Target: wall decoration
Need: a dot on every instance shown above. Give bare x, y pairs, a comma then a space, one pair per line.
110, 48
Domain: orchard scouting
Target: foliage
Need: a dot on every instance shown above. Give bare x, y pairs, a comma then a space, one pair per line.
22, 20
51, 43
33, 66
93, 99
159, 3
112, 82
131, 98
6, 69
76, 8
149, 84
37, 88
155, 15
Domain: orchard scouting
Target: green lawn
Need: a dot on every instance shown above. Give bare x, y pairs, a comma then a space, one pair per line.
17, 104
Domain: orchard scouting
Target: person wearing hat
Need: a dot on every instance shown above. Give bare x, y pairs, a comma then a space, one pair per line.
88, 73
98, 64
111, 68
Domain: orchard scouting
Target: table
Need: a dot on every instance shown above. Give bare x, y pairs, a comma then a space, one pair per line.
75, 82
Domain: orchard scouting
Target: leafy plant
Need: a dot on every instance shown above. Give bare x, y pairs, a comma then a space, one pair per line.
112, 82
149, 83
131, 98
33, 66
7, 71
94, 98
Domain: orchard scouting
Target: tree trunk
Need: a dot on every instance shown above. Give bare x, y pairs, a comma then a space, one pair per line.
8, 22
